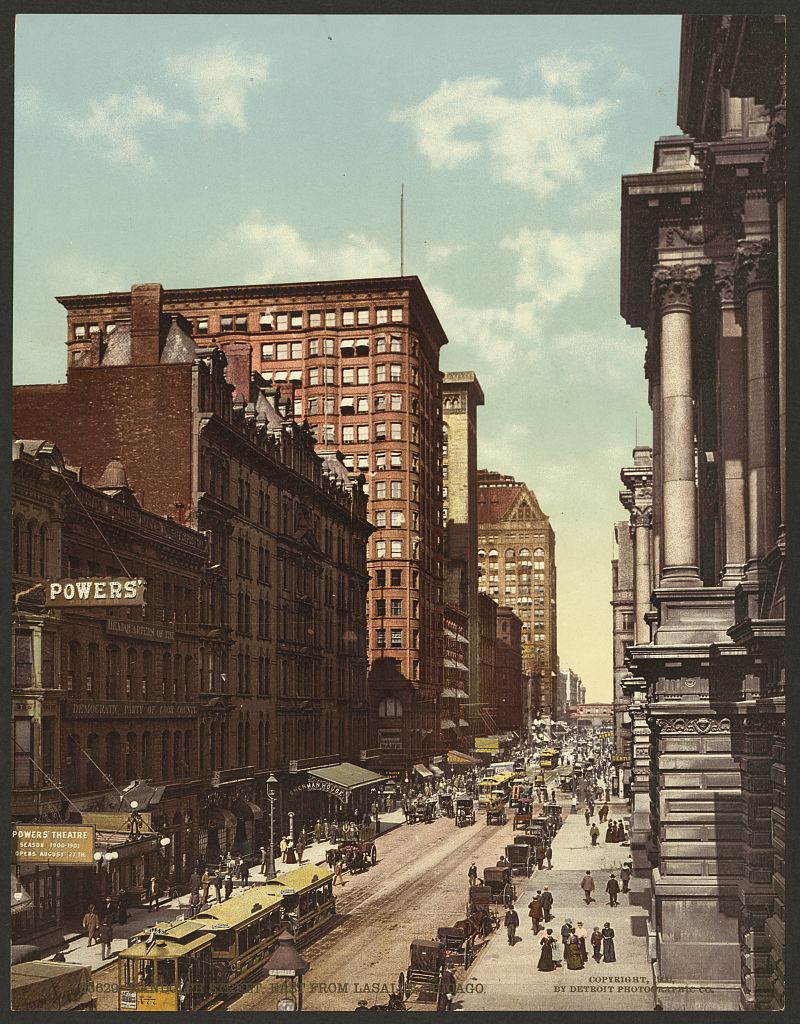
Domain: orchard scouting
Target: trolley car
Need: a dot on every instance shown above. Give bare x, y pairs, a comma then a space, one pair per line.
190, 964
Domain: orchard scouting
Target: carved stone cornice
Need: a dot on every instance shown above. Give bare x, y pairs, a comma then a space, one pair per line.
674, 286
755, 264
700, 724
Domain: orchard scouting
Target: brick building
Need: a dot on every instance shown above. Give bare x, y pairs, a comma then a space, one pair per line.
105, 697
285, 587
516, 559
704, 278
508, 674
361, 359
487, 652
462, 394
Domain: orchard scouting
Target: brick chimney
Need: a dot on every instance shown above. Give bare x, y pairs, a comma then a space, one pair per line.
146, 324
239, 369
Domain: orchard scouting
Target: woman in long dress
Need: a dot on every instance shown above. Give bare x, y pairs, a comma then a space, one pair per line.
572, 952
610, 832
546, 958
557, 954
609, 955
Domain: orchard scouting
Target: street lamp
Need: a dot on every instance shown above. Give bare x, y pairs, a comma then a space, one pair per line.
272, 788
286, 962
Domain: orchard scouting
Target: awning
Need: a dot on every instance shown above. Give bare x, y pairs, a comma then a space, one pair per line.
448, 723
420, 769
447, 692
347, 343
220, 817
248, 811
347, 403
463, 723
341, 779
462, 694
459, 757
436, 770
449, 663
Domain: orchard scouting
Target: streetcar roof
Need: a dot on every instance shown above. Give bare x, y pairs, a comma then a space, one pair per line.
309, 876
181, 938
239, 909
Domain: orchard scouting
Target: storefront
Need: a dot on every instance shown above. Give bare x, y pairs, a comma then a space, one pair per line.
330, 792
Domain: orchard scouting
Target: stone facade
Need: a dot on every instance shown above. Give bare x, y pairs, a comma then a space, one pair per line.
703, 275
516, 559
508, 684
461, 396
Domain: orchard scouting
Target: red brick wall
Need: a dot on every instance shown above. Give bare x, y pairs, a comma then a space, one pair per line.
143, 414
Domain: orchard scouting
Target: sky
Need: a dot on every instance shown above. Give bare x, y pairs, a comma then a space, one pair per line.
223, 149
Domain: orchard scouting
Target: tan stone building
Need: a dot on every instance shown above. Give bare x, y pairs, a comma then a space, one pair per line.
704, 277
516, 560
461, 396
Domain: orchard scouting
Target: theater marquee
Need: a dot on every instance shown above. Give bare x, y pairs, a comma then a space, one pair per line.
105, 592
52, 844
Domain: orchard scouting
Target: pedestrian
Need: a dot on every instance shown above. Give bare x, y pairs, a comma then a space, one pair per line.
301, 845
91, 924
194, 903
284, 844
540, 857
318, 831
244, 872
106, 938
587, 814
216, 881
264, 861
625, 875
572, 952
194, 881
152, 892
594, 832
620, 832
612, 888
587, 884
557, 957
206, 883
547, 903
472, 874
574, 802
603, 815
552, 796
549, 857
580, 933
228, 885
610, 832
548, 943
122, 907
596, 940
337, 873
609, 954
566, 931
290, 853
535, 913
512, 923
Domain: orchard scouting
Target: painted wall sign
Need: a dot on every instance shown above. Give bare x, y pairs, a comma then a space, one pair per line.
140, 630
127, 709
106, 591
54, 844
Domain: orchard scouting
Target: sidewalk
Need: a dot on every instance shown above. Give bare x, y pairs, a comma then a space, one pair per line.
507, 976
139, 918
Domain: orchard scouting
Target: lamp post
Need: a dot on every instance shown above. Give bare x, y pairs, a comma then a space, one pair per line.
291, 825
286, 962
272, 786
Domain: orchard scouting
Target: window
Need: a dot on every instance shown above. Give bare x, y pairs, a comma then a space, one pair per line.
348, 317
282, 350
362, 432
241, 323
267, 352
315, 319
348, 435
380, 373
283, 321
363, 316
382, 316
397, 460
265, 321
397, 314
380, 549
380, 489
380, 519
296, 321
202, 326
363, 460
348, 461
330, 318
396, 577
363, 375
397, 431
380, 345
328, 378
348, 375
329, 404
298, 408
380, 460
396, 343
396, 605
397, 488
362, 404
327, 344
313, 347
329, 433
226, 323
380, 403
396, 549
380, 431
396, 638
380, 637
390, 707
397, 518
313, 406
396, 402
297, 350
380, 607
396, 371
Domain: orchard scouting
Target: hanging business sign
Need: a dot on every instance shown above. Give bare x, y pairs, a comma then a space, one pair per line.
105, 592
322, 786
52, 844
487, 744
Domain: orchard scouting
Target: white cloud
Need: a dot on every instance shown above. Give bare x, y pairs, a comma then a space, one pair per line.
560, 71
536, 143
117, 121
274, 251
220, 79
553, 266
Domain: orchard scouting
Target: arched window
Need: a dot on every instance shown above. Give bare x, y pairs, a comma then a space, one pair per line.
240, 742
30, 553
481, 553
494, 553
539, 552
390, 707
112, 672
130, 756
113, 752
177, 758
42, 551
261, 743
17, 548
92, 770
510, 553
177, 665
524, 553
147, 750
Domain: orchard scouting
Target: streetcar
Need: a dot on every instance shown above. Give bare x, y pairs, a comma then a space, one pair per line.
489, 786
191, 964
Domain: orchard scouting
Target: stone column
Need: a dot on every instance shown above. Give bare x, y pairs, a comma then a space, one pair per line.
775, 172
641, 523
756, 270
731, 377
674, 287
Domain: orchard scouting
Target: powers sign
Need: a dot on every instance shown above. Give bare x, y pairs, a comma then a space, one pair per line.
54, 844
105, 592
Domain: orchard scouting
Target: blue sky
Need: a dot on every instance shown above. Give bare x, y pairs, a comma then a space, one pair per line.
201, 150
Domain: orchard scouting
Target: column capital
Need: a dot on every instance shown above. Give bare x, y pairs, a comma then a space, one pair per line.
642, 517
725, 283
674, 286
756, 264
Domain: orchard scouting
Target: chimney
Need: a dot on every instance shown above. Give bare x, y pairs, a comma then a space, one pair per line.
239, 369
146, 324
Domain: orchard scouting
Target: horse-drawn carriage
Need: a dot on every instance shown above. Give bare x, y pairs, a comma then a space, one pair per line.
446, 808
421, 809
499, 880
480, 910
523, 814
496, 811
357, 850
520, 857
427, 959
464, 809
460, 939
